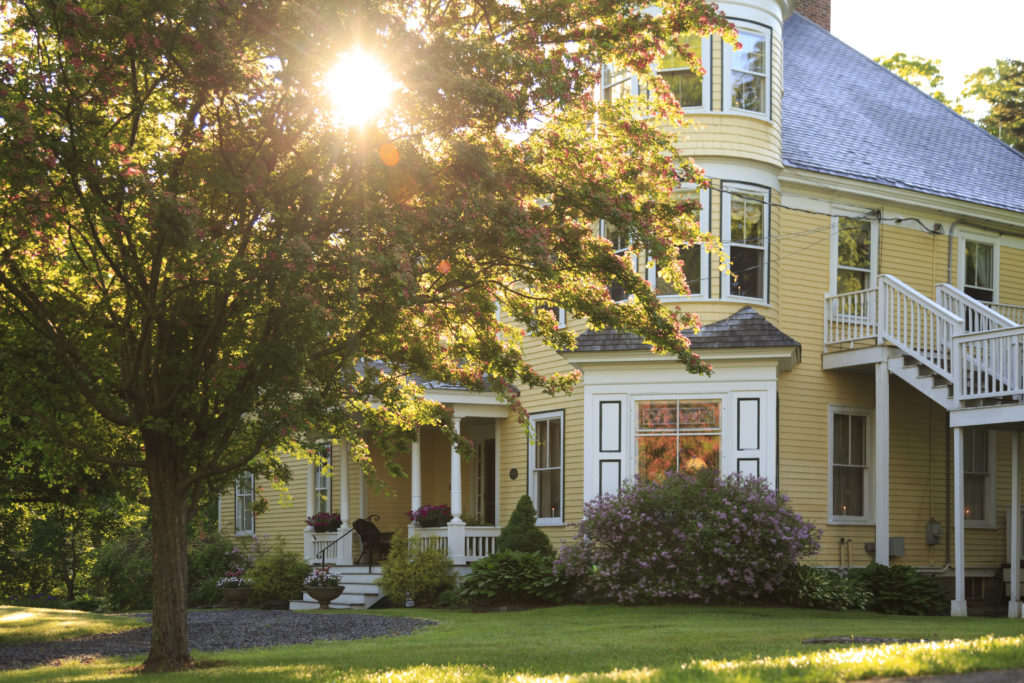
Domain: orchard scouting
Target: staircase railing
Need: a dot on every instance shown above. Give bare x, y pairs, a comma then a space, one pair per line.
917, 325
978, 317
1010, 312
989, 364
322, 553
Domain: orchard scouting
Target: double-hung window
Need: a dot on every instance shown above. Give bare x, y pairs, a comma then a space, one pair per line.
616, 83
979, 479
850, 476
677, 434
694, 258
245, 492
322, 480
749, 72
854, 254
745, 231
546, 458
620, 242
689, 87
980, 259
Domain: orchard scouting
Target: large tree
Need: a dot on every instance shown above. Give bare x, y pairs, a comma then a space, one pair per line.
199, 264
1002, 86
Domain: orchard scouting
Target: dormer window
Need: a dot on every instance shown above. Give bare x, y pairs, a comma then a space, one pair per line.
748, 72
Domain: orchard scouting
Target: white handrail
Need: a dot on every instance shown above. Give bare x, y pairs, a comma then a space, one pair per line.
917, 325
989, 364
1010, 312
978, 317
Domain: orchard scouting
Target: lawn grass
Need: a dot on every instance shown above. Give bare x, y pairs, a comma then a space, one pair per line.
591, 643
35, 625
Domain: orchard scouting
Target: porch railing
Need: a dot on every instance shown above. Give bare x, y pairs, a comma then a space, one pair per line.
480, 542
851, 317
335, 546
1010, 311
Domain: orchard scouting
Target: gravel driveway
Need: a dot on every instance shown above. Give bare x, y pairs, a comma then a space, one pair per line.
220, 630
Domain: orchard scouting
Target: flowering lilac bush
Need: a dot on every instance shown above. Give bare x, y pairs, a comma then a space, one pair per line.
691, 536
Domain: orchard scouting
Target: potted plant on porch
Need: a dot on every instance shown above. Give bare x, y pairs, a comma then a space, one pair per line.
431, 515
323, 586
324, 522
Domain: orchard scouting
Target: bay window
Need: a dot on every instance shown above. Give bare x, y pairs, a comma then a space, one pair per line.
748, 84
745, 230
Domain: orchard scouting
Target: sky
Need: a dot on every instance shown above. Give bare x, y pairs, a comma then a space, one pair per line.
966, 36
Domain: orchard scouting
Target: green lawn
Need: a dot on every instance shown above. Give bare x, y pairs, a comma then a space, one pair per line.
588, 643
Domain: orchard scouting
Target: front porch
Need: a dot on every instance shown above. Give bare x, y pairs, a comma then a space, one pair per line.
965, 356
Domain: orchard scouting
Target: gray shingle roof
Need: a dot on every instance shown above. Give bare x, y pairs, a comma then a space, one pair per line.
845, 115
744, 329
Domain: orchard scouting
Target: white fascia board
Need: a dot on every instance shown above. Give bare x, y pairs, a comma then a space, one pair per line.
734, 170
469, 403
994, 417
778, 358
872, 194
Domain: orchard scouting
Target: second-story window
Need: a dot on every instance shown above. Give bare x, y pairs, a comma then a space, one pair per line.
694, 258
980, 269
619, 240
615, 83
855, 254
745, 229
749, 87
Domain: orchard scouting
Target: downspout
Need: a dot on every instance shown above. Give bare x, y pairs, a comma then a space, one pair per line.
949, 253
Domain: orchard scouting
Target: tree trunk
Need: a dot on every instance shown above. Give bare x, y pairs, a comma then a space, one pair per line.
168, 648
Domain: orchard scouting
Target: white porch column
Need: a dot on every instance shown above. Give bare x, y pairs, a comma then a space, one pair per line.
310, 491
344, 497
882, 463
1014, 523
456, 527
416, 474
958, 606
345, 544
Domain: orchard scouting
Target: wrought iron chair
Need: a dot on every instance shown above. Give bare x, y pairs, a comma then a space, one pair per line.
372, 539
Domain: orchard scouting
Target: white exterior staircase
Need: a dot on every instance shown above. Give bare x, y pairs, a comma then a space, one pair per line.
961, 353
361, 590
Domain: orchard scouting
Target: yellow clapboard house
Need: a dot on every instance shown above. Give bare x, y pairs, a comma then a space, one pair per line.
866, 340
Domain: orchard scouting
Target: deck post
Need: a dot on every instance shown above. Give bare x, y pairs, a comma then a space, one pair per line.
456, 527
1013, 610
958, 606
882, 463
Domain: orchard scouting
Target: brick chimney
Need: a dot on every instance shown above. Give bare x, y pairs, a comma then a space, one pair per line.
818, 11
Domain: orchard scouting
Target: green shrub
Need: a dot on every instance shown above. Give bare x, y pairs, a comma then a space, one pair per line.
122, 576
900, 589
278, 575
412, 571
521, 532
690, 536
822, 588
513, 576
209, 556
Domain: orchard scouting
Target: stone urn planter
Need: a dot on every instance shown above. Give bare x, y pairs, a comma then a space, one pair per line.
324, 594
236, 597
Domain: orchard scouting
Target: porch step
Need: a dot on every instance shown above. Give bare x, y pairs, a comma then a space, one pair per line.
361, 591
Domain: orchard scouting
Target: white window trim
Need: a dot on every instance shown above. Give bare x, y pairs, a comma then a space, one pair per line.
984, 238
620, 252
725, 432
705, 61
725, 284
249, 513
727, 53
705, 270
316, 475
989, 522
869, 486
534, 419
833, 258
